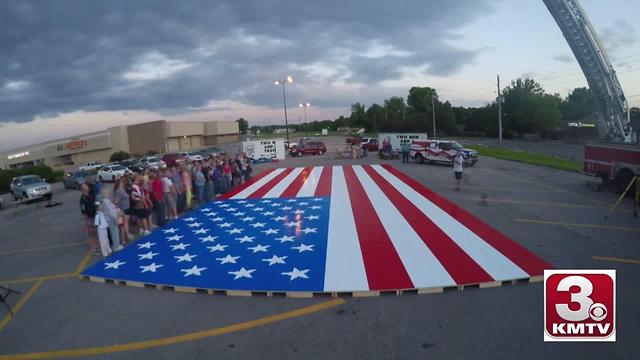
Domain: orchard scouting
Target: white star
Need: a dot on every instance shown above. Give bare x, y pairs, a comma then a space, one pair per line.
195, 270
242, 273
217, 219
259, 248
175, 238
279, 218
189, 219
275, 260
316, 199
303, 248
299, 211
309, 230
228, 259
146, 245
218, 202
224, 225
194, 224
235, 231
201, 231
312, 217
153, 267
286, 208
265, 201
270, 231
185, 257
248, 218
211, 214
148, 255
291, 200
295, 273
224, 205
114, 265
258, 224
170, 231
268, 213
217, 247
205, 210
291, 223
181, 246
303, 203
276, 205
249, 205
315, 207
285, 238
258, 209
239, 213
231, 209
242, 202
208, 238
246, 239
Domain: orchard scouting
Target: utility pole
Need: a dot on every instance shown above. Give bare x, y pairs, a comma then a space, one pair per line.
433, 113
499, 114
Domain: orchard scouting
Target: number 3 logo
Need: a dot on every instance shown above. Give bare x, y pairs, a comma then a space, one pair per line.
582, 298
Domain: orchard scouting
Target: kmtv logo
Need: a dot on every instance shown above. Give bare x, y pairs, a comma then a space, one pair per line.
579, 305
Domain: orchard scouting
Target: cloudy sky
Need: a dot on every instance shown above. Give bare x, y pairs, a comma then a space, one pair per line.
68, 67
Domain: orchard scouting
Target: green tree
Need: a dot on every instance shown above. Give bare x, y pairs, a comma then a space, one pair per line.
527, 109
419, 99
358, 116
579, 104
119, 156
243, 125
394, 113
374, 116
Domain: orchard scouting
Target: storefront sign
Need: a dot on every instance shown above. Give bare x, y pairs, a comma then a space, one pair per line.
73, 145
18, 155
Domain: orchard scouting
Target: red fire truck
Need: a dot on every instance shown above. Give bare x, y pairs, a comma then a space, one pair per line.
614, 164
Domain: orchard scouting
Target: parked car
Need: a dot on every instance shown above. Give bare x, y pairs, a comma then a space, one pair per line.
214, 151
289, 145
91, 165
192, 156
441, 151
369, 144
112, 172
155, 163
311, 147
173, 158
133, 165
74, 178
30, 187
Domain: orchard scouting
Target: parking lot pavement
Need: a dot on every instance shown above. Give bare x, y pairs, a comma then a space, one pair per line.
550, 212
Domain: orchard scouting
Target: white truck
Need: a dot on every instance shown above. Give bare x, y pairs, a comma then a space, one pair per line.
91, 165
398, 139
260, 150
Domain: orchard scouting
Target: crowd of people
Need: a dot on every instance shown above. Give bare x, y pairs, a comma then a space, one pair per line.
138, 202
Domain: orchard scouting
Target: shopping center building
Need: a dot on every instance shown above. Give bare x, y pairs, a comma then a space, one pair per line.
159, 136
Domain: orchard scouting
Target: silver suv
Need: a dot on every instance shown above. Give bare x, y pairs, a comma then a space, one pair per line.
30, 187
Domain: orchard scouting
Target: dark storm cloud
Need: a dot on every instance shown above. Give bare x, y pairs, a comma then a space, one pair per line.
62, 56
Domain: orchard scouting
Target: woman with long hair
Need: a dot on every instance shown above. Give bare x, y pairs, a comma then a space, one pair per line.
141, 208
123, 202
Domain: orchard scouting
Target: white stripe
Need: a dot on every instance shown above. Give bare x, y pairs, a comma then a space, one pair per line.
309, 186
490, 259
280, 187
423, 267
344, 269
257, 185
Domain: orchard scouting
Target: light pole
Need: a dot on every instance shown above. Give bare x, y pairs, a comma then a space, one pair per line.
288, 79
304, 107
433, 114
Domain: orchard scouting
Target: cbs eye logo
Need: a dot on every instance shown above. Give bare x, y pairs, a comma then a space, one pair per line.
579, 305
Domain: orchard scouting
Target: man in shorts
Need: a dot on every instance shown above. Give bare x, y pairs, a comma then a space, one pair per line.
168, 195
458, 160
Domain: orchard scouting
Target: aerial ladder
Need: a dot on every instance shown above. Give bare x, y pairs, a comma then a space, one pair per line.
614, 124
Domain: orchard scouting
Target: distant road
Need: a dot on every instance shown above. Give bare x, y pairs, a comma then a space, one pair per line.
547, 147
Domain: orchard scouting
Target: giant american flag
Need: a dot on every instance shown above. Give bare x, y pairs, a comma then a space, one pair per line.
344, 228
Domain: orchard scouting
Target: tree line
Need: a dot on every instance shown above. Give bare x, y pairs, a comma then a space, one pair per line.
526, 109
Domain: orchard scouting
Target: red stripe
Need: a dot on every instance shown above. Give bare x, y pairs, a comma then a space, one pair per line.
324, 184
294, 187
382, 264
462, 268
246, 184
270, 184
522, 257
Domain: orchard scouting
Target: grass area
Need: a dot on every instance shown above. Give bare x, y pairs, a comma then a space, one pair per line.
527, 157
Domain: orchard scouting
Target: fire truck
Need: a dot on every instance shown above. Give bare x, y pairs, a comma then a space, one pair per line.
615, 157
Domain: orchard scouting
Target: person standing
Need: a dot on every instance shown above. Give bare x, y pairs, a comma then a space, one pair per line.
102, 224
88, 210
110, 213
199, 182
122, 201
186, 184
406, 147
458, 160
157, 197
140, 208
176, 178
169, 196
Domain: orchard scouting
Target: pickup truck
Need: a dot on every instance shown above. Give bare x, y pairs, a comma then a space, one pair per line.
91, 165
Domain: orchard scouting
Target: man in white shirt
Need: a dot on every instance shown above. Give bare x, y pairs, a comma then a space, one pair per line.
458, 160
169, 196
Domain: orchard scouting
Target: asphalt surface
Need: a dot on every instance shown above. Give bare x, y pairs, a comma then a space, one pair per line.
495, 323
558, 148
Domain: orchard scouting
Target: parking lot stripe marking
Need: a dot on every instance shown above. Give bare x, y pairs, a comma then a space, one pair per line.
7, 318
615, 259
83, 263
12, 252
38, 278
141, 345
596, 226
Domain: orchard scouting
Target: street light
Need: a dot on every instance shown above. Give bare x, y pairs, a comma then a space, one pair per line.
288, 79
304, 107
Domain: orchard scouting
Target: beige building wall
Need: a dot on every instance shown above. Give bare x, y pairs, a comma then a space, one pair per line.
148, 136
184, 128
119, 138
221, 127
220, 139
